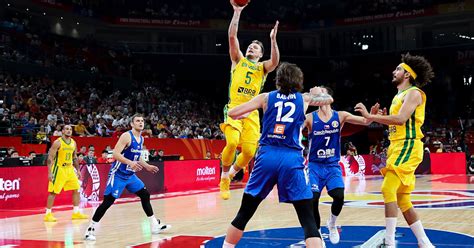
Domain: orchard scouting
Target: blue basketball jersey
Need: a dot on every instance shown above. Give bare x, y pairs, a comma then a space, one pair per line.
132, 152
325, 139
283, 120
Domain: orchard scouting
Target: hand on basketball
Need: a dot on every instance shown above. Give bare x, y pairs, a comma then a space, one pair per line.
135, 166
315, 90
151, 168
360, 107
274, 31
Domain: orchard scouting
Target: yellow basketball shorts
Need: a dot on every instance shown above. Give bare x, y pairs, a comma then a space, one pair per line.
404, 156
64, 178
248, 127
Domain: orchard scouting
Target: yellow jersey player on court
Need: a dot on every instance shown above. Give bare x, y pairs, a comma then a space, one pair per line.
405, 153
63, 173
248, 75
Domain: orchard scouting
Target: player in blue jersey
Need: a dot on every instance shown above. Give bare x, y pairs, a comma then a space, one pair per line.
324, 135
280, 158
127, 153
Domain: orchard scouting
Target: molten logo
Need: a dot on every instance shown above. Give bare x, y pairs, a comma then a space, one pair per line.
9, 185
206, 171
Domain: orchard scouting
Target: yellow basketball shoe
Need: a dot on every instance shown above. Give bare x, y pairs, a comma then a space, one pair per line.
49, 217
79, 216
225, 188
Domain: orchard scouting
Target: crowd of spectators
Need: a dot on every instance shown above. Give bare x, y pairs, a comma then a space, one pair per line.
35, 108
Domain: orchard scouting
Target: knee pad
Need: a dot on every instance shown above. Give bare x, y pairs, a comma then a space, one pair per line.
143, 194
248, 152
108, 201
337, 194
305, 216
246, 211
404, 202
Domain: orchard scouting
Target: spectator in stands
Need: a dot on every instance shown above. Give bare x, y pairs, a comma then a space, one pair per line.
118, 131
41, 136
81, 129
103, 158
15, 154
83, 150
32, 155
52, 117
161, 155
90, 159
58, 132
91, 129
80, 159
28, 131
208, 155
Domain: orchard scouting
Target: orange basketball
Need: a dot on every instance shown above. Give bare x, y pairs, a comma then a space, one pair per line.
241, 2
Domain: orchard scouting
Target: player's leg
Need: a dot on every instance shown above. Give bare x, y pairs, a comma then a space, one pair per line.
260, 184
136, 186
390, 185
317, 185
305, 216
54, 188
413, 221
249, 140
72, 183
247, 209
113, 190
232, 137
335, 187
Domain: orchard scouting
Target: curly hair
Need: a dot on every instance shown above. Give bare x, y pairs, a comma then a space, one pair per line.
289, 77
422, 68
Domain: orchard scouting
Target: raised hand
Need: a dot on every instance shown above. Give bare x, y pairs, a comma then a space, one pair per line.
274, 31
360, 107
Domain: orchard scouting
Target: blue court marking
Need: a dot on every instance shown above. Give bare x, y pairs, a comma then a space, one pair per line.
351, 236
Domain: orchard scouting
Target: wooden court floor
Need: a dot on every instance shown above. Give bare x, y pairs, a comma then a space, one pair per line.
444, 202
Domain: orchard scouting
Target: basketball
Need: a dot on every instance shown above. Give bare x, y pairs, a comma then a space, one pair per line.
241, 3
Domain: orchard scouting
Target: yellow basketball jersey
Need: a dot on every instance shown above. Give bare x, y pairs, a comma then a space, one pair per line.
65, 153
246, 81
412, 127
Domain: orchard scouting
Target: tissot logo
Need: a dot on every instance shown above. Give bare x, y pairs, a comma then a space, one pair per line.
246, 91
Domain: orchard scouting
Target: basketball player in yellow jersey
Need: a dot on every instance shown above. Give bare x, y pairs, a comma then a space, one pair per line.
61, 162
248, 75
405, 153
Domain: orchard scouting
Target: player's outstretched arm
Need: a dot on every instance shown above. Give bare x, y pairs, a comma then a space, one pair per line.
272, 63
234, 47
122, 143
410, 102
354, 119
316, 97
243, 110
51, 157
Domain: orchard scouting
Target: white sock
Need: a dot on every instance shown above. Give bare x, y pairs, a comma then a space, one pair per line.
332, 220
76, 209
419, 231
232, 171
225, 175
153, 220
227, 245
390, 226
92, 224
48, 210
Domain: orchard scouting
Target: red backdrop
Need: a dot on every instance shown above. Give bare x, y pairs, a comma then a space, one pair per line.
188, 148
